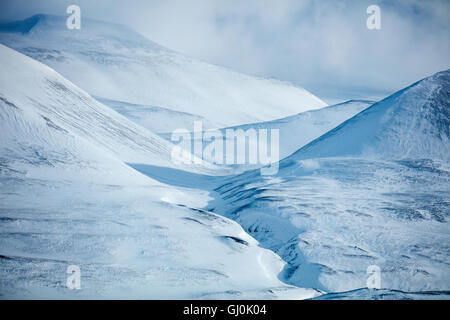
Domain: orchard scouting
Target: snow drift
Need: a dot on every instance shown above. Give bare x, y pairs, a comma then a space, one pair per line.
67, 197
35, 96
294, 131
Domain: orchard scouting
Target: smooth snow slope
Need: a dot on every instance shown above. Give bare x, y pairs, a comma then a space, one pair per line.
330, 218
412, 123
113, 62
156, 119
67, 198
298, 130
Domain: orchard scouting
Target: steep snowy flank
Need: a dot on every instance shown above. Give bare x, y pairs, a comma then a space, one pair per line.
44, 96
67, 198
113, 62
412, 123
330, 219
373, 191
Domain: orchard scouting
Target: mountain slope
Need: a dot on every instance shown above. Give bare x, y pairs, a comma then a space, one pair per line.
155, 119
294, 131
412, 123
67, 198
300, 129
40, 97
113, 62
373, 191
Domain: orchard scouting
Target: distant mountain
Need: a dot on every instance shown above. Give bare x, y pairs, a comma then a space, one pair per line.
412, 123
113, 62
294, 131
298, 130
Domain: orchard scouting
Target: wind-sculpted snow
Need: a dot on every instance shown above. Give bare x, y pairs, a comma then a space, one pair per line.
331, 218
129, 242
113, 62
68, 198
383, 199
46, 99
368, 294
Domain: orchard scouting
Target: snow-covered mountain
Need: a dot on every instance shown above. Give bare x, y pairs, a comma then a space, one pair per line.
113, 62
298, 130
67, 197
412, 123
44, 99
373, 191
86, 182
294, 131
155, 119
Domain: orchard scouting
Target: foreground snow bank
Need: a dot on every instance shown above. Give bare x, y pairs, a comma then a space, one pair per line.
373, 191
68, 198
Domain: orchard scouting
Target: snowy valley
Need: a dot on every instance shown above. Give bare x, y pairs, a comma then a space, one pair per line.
87, 178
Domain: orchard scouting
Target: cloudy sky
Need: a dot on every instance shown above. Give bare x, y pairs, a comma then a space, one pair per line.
322, 45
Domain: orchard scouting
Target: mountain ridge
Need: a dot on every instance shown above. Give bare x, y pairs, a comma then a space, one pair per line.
381, 124
113, 62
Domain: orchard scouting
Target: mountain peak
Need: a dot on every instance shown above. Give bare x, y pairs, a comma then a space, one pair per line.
411, 123
114, 62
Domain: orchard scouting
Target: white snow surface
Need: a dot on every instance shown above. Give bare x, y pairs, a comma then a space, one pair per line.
67, 197
82, 184
373, 191
332, 218
156, 119
412, 123
294, 131
113, 62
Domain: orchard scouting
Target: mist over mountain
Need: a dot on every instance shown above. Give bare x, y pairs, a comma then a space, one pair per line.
113, 62
88, 178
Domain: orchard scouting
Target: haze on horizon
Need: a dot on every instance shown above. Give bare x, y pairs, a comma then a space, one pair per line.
323, 46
